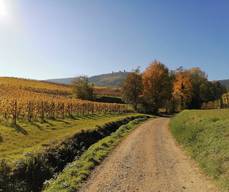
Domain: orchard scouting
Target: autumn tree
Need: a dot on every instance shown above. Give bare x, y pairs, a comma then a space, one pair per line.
182, 89
82, 89
202, 89
132, 89
157, 86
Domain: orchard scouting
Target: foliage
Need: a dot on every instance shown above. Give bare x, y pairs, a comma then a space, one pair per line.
157, 84
191, 89
205, 136
132, 89
182, 89
171, 90
82, 89
75, 173
204, 90
198, 79
225, 83
5, 176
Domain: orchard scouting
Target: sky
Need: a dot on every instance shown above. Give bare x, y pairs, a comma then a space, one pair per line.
46, 39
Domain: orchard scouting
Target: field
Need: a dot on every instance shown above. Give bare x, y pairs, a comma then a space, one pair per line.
8, 84
205, 135
30, 100
30, 137
33, 113
52, 157
43, 128
51, 88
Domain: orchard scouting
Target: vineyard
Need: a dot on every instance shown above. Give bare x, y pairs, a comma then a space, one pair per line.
35, 101
35, 86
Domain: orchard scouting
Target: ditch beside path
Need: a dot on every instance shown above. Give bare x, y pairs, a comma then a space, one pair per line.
148, 160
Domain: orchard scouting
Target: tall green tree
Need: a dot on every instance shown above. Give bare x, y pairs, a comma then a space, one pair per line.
199, 80
203, 90
132, 89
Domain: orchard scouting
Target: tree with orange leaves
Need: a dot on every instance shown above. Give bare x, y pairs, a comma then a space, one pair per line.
157, 86
182, 89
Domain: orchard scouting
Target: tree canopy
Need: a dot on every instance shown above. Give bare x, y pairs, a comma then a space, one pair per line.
158, 87
156, 83
132, 89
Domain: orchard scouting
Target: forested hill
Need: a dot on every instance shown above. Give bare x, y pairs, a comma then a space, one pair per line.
114, 79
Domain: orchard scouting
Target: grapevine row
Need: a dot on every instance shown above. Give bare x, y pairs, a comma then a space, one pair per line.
30, 110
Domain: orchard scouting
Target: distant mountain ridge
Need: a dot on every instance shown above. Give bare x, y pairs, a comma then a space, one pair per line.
114, 79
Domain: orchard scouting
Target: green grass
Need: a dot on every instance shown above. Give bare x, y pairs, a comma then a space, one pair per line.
30, 137
205, 135
76, 172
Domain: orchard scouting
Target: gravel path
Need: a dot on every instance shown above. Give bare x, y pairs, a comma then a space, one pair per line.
148, 160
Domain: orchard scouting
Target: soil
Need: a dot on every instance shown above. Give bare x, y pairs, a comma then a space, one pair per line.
148, 160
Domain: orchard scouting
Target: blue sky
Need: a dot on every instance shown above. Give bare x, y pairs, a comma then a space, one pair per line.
61, 38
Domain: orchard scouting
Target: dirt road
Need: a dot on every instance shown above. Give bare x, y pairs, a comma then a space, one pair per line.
148, 160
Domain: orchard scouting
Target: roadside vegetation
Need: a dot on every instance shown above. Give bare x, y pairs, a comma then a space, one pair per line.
29, 173
76, 172
205, 136
27, 137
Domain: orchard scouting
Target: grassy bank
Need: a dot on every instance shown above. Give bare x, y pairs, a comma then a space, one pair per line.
205, 135
15, 142
51, 159
75, 173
